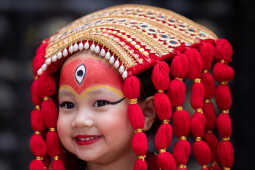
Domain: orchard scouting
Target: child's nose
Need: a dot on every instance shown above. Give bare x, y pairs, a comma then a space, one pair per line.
82, 120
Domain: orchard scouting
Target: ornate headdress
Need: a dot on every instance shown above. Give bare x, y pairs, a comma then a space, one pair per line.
134, 38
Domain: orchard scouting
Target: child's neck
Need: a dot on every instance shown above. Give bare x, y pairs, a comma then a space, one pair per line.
124, 162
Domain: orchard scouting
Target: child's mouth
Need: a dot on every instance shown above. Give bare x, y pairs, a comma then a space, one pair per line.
86, 139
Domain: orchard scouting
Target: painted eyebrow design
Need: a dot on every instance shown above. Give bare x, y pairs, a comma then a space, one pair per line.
113, 103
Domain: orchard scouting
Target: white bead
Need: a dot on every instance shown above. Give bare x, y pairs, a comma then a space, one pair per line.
124, 74
102, 53
97, 49
39, 71
116, 64
65, 52
54, 58
75, 47
108, 55
59, 55
44, 66
71, 49
92, 47
48, 61
111, 61
80, 46
86, 46
121, 69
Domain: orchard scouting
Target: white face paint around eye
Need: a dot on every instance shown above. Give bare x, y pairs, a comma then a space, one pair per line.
80, 73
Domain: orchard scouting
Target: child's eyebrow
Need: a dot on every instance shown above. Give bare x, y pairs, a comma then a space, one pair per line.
66, 93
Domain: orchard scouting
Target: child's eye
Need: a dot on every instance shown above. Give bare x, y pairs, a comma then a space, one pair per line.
67, 105
100, 103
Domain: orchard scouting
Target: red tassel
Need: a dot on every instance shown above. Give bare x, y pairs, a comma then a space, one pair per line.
207, 52
139, 143
53, 144
135, 116
37, 121
224, 125
181, 123
50, 113
225, 153
223, 97
201, 152
39, 58
165, 161
223, 50
57, 165
198, 124
176, 92
140, 165
223, 72
47, 86
160, 75
131, 87
195, 63
163, 136
210, 115
180, 66
36, 165
37, 145
162, 106
197, 95
181, 152
212, 141
208, 82
34, 93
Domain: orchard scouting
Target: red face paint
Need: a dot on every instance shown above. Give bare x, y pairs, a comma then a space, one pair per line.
83, 71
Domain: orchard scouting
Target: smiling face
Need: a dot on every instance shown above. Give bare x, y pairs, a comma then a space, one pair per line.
93, 122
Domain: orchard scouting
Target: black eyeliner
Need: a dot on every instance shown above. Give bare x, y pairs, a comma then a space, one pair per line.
113, 103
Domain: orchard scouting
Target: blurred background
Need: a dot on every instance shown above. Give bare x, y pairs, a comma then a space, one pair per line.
24, 24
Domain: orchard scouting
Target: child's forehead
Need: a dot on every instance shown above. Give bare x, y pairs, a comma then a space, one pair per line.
84, 70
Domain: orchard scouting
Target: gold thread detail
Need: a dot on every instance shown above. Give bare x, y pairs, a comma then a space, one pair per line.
200, 110
204, 166
37, 107
181, 166
133, 101
205, 71
37, 132
179, 108
198, 139
226, 168
138, 130
166, 121
207, 101
224, 82
209, 131
223, 61
226, 138
183, 138
225, 111
36, 77
56, 158
197, 80
161, 91
178, 78
39, 158
162, 150
52, 129
46, 98
142, 157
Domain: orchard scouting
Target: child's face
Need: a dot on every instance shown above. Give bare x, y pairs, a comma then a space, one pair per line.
93, 122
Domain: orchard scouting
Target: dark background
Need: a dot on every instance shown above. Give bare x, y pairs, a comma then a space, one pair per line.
24, 23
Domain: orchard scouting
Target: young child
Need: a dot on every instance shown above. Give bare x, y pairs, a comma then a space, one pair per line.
110, 78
